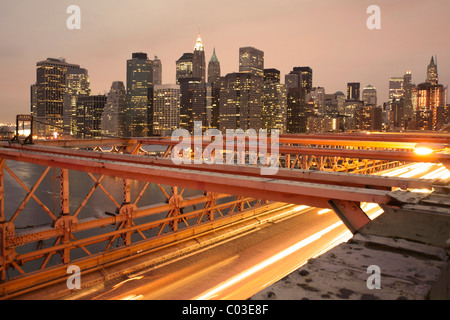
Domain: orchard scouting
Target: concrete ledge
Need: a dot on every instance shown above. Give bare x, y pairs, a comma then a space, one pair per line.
409, 270
413, 223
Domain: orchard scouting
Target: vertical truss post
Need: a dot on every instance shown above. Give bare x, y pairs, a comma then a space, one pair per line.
65, 221
64, 191
127, 209
209, 204
2, 191
2, 225
287, 161
175, 199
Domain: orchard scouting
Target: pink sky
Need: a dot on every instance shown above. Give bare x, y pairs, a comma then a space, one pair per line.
330, 36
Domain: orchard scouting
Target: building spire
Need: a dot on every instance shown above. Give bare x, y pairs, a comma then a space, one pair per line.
199, 44
214, 56
432, 72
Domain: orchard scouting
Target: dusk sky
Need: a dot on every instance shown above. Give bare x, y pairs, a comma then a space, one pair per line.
330, 36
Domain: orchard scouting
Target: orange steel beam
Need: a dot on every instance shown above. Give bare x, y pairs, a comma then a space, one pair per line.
401, 141
409, 137
258, 187
286, 174
342, 153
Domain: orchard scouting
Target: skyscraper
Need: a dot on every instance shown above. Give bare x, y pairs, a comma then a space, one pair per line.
432, 73
396, 90
185, 66
157, 71
292, 80
200, 103
50, 89
89, 116
298, 112
213, 69
214, 80
432, 100
113, 117
274, 102
166, 116
408, 86
300, 77
353, 91
369, 95
240, 101
198, 61
251, 60
77, 85
139, 95
306, 78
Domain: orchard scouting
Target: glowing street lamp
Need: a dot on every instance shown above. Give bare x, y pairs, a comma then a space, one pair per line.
425, 149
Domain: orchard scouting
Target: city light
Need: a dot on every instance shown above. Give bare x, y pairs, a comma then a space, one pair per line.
425, 149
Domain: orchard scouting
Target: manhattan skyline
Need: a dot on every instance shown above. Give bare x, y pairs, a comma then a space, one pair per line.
330, 37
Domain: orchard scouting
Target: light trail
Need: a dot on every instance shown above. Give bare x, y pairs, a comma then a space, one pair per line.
211, 294
435, 174
416, 171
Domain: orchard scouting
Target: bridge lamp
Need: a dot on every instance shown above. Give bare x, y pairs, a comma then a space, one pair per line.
425, 149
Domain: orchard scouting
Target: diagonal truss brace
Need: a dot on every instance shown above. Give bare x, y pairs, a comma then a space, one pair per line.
350, 213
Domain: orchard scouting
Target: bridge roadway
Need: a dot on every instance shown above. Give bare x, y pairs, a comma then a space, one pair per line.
243, 265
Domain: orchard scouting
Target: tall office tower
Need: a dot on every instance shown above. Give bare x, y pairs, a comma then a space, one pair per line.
77, 85
331, 107
297, 112
185, 103
33, 100
432, 73
139, 110
408, 86
198, 61
306, 78
200, 104
354, 91
185, 66
51, 75
292, 80
397, 115
240, 101
368, 118
369, 95
317, 95
113, 117
166, 116
274, 102
251, 60
157, 71
432, 101
214, 80
396, 90
300, 77
272, 76
89, 116
213, 69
